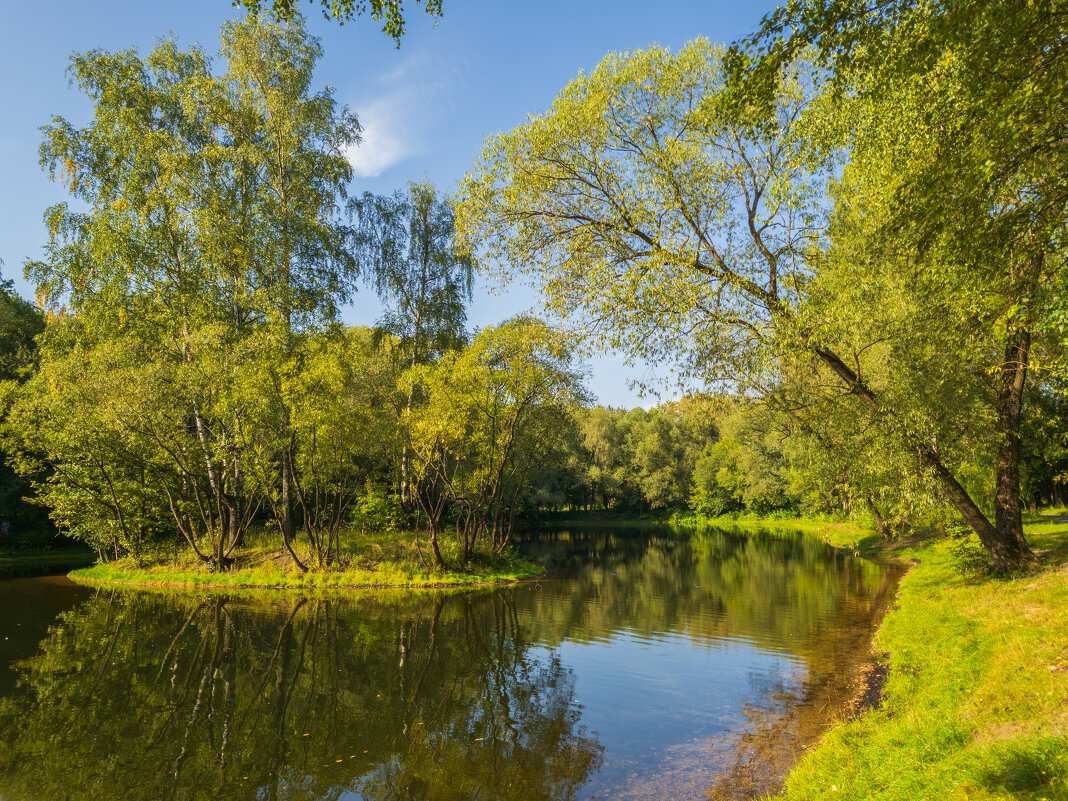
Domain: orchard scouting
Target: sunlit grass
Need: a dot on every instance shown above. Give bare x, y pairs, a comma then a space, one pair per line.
383, 560
976, 705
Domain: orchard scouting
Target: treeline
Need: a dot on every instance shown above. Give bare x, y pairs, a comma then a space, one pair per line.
867, 264
189, 378
722, 456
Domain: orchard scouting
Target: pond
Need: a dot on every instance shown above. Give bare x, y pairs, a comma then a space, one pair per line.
647, 664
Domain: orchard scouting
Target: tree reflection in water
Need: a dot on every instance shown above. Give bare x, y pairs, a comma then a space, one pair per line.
745, 639
151, 697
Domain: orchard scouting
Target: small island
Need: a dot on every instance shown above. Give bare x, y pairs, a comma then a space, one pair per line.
388, 561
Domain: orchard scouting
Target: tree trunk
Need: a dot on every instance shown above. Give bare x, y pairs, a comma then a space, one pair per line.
878, 520
237, 506
288, 526
1008, 518
405, 490
434, 547
1005, 553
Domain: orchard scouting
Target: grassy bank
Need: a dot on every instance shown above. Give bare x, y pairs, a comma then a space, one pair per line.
384, 560
834, 530
976, 703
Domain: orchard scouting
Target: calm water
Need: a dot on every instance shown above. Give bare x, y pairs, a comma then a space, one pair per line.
651, 665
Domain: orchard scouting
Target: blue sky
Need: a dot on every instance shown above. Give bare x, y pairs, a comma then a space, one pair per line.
425, 107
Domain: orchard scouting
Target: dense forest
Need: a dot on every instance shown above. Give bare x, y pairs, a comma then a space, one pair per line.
851, 263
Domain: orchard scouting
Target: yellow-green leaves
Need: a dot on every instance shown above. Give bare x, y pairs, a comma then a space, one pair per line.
654, 212
490, 415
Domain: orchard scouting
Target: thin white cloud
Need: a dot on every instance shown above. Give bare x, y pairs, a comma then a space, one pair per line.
387, 139
396, 122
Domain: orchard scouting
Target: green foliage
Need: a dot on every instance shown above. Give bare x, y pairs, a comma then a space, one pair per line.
715, 491
654, 214
195, 350
389, 12
491, 419
376, 511
676, 210
407, 243
956, 127
20, 324
874, 330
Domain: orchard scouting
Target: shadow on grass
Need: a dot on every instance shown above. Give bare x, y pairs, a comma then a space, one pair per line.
1051, 546
875, 543
1031, 771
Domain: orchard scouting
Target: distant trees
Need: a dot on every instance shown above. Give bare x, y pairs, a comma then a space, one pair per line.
714, 455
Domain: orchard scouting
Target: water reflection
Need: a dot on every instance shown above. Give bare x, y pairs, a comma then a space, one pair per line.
638, 670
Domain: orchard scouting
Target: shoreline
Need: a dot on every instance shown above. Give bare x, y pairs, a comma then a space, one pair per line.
966, 695
391, 560
962, 693
177, 585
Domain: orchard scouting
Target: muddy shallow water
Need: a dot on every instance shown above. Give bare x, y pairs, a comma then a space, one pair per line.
648, 664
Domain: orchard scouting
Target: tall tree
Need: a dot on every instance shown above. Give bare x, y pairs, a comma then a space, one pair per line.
964, 123
683, 225
293, 141
424, 278
211, 240
408, 242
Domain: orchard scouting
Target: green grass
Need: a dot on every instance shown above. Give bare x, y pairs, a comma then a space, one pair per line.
976, 704
386, 560
821, 524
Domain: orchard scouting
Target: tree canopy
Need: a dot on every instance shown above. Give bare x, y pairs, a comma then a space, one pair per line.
675, 220
843, 237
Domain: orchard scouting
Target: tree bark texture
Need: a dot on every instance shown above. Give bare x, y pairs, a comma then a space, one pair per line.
1008, 517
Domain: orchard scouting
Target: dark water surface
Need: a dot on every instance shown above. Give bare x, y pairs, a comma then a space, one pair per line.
650, 664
